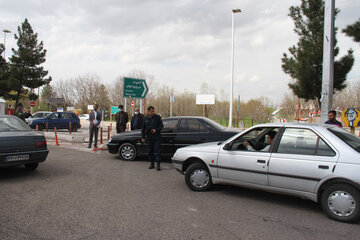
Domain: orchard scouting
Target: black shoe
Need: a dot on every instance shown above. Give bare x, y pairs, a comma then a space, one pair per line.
95, 146
158, 167
151, 166
89, 146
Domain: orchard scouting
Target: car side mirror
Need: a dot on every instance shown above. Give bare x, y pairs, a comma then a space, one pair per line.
227, 146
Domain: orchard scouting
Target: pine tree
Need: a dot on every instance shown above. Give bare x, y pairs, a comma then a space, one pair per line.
353, 31
25, 64
4, 75
305, 63
47, 92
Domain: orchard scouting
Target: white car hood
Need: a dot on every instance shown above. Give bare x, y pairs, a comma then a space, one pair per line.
203, 147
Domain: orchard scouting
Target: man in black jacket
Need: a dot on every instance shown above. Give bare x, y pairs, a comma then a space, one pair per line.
151, 134
137, 120
121, 120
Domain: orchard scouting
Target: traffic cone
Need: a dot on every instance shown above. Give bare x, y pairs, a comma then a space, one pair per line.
56, 138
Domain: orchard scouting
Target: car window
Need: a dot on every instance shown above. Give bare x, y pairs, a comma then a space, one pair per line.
213, 124
54, 116
350, 139
169, 126
324, 149
67, 116
191, 125
10, 124
255, 140
303, 142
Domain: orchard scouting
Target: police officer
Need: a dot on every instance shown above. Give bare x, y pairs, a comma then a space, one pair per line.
151, 133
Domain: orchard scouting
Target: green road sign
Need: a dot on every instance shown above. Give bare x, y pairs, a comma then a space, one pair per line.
114, 109
135, 88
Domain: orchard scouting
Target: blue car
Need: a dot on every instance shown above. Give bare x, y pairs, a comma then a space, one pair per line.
60, 120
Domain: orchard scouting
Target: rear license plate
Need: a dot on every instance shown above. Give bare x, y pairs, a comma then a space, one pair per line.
17, 158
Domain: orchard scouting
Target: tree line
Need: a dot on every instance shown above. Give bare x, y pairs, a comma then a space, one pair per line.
89, 89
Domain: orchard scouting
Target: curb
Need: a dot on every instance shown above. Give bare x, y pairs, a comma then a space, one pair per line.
67, 138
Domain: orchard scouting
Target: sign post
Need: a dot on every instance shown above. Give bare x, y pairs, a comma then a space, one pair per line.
113, 110
205, 99
351, 118
172, 99
135, 88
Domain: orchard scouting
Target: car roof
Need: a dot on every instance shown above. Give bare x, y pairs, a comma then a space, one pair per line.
190, 117
7, 116
301, 125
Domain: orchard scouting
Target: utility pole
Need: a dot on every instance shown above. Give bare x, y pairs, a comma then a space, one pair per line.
234, 11
328, 60
5, 32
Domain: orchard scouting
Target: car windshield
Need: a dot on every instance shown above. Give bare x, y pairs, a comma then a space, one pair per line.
215, 124
350, 139
12, 124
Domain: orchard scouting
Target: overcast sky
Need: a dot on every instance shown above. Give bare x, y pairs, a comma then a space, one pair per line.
181, 43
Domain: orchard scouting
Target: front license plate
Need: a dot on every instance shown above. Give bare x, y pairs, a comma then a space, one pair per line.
17, 158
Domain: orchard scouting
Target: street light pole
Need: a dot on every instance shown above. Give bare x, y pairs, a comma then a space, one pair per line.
5, 32
232, 67
328, 61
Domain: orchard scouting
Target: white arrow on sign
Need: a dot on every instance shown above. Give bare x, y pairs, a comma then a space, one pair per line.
145, 89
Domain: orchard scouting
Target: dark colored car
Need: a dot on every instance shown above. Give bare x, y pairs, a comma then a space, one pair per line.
60, 120
19, 144
177, 132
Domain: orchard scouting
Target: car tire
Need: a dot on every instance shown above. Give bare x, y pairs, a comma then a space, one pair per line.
127, 152
341, 202
197, 177
74, 128
31, 166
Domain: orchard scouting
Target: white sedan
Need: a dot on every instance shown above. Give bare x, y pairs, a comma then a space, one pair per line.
84, 116
316, 162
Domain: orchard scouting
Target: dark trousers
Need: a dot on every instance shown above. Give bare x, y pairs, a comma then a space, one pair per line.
121, 128
93, 131
154, 149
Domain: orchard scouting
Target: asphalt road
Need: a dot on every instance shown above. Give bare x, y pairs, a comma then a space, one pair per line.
94, 195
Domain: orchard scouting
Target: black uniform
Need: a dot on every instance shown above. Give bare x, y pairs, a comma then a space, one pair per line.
153, 140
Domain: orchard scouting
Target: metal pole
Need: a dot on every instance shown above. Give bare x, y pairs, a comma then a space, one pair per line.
328, 60
125, 105
5, 32
171, 109
232, 66
4, 45
141, 106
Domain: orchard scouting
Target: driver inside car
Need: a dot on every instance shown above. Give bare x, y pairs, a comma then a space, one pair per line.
264, 147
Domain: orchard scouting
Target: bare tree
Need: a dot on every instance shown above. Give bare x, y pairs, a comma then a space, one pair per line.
349, 97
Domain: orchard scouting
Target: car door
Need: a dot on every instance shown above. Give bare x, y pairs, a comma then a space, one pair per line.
247, 165
301, 160
53, 120
168, 136
189, 132
67, 118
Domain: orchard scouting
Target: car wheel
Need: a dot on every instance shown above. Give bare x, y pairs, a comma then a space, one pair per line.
197, 177
128, 152
341, 202
74, 128
31, 166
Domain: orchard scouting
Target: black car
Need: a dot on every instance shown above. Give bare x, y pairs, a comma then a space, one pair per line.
19, 144
177, 132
